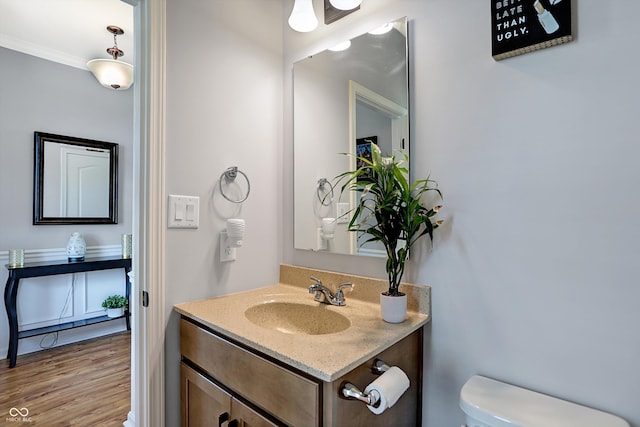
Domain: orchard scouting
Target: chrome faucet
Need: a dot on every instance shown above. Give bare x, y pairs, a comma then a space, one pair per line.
324, 294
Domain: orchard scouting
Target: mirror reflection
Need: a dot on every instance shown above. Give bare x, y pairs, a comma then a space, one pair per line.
344, 101
75, 180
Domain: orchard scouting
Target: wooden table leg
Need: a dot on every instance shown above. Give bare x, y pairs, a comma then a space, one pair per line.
10, 295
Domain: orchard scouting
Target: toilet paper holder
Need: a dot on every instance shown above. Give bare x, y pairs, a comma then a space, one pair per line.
350, 392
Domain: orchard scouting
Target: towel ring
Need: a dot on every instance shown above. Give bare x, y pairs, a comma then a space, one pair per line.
230, 176
321, 183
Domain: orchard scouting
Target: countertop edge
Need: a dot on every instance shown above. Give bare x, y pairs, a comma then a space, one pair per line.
300, 365
414, 322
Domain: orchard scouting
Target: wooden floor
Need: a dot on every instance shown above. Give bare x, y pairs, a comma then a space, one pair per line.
83, 384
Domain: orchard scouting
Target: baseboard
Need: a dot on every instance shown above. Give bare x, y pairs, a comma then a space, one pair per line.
69, 336
131, 422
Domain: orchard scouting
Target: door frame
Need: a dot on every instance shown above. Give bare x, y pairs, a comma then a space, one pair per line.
147, 349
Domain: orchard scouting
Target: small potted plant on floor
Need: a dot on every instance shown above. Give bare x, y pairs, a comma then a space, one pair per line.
390, 211
115, 305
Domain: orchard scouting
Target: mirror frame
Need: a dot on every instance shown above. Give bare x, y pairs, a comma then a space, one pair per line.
38, 180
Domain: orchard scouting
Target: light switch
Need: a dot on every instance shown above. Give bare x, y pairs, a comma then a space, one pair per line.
183, 211
179, 216
191, 212
342, 210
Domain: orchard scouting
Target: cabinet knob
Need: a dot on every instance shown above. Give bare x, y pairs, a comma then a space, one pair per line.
224, 417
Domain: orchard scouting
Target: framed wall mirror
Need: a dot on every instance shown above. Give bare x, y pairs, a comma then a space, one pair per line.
75, 180
344, 100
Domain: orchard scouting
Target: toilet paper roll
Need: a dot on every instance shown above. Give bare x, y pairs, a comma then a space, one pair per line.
389, 386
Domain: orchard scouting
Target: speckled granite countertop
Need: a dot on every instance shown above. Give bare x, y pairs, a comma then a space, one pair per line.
328, 356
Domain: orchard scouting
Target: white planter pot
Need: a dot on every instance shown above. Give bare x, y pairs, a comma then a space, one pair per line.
115, 312
393, 308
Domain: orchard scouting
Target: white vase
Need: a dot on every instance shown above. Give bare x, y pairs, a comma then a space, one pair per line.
115, 312
393, 308
76, 247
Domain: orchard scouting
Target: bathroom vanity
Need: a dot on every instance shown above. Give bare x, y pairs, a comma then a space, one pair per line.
273, 356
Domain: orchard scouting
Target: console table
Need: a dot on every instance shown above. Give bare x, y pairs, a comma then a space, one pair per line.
50, 268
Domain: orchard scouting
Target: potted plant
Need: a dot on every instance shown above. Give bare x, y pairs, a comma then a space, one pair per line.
390, 211
115, 305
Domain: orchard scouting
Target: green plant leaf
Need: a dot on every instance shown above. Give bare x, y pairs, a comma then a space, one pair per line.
389, 210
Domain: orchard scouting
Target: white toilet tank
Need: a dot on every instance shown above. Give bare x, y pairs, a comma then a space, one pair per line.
491, 403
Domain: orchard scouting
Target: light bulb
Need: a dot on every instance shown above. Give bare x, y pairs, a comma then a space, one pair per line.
341, 46
382, 29
345, 4
303, 18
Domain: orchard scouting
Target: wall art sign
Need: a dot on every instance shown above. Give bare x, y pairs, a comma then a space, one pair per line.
522, 26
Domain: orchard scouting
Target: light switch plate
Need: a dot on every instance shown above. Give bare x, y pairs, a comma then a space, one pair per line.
341, 213
184, 211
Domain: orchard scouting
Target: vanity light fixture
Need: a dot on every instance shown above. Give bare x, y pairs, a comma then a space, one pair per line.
111, 73
345, 4
303, 18
384, 29
338, 9
341, 46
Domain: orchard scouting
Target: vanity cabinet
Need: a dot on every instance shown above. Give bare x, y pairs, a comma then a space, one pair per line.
220, 376
205, 404
291, 397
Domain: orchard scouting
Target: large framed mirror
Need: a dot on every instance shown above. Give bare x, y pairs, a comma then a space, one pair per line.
344, 101
75, 180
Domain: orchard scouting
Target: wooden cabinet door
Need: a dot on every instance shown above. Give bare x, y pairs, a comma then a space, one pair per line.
203, 402
290, 397
247, 417
407, 412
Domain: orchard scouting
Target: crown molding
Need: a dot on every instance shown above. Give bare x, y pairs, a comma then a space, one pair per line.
41, 52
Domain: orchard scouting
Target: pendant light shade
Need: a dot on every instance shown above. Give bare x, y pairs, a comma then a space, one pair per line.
345, 4
111, 73
303, 19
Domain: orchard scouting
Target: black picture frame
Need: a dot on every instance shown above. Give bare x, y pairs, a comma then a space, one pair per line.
40, 187
523, 26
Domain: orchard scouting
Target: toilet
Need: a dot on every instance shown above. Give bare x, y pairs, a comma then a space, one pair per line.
491, 403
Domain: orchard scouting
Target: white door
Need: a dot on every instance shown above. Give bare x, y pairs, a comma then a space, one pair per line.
85, 182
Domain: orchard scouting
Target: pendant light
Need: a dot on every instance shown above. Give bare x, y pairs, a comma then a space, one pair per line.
111, 73
345, 4
303, 19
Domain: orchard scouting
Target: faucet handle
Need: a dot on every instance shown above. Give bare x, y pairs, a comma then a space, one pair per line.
314, 286
339, 298
345, 285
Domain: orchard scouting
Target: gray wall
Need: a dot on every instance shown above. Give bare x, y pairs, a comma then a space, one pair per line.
534, 275
40, 95
224, 108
